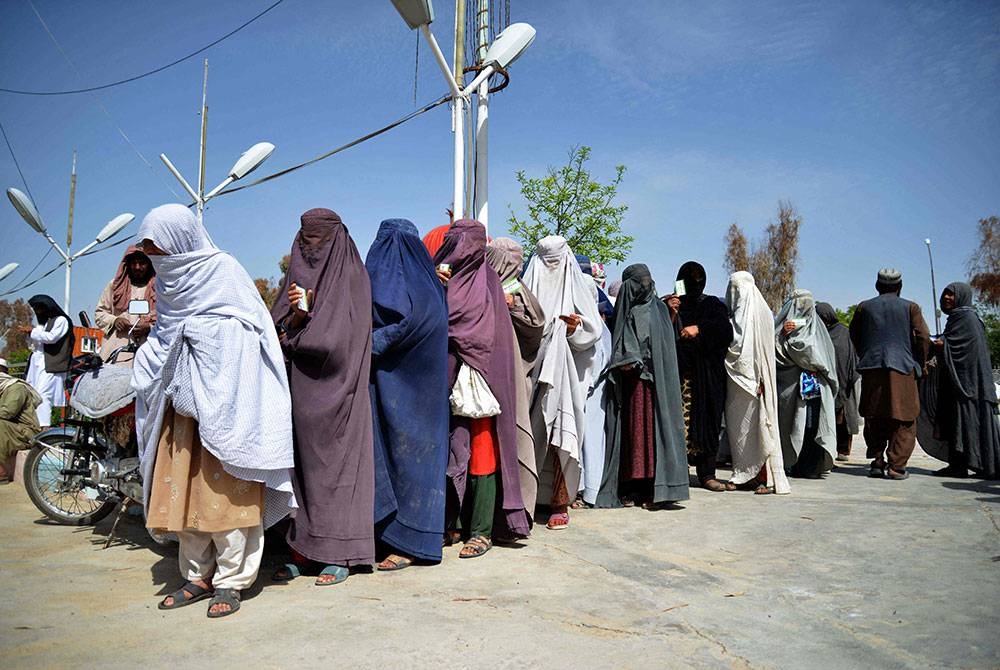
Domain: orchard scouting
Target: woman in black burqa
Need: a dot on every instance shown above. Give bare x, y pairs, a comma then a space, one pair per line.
967, 399
704, 332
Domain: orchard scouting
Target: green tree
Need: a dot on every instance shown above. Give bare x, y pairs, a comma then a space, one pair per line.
846, 316
568, 202
992, 322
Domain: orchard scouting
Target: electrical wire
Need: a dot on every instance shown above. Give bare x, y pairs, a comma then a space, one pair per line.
144, 74
375, 133
100, 104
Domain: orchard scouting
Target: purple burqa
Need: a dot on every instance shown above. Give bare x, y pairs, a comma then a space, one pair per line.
329, 359
480, 334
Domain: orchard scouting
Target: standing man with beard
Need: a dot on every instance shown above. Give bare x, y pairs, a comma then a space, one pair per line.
133, 281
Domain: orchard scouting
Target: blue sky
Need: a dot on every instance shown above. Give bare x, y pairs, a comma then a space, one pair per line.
879, 121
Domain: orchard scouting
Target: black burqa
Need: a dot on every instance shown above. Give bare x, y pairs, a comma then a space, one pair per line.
643, 335
967, 398
703, 358
847, 360
329, 359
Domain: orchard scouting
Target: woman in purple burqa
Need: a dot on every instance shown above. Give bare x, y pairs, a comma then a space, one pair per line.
409, 389
328, 350
482, 465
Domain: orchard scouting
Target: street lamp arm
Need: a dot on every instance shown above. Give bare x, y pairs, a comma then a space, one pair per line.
441, 61
485, 74
55, 245
215, 191
181, 179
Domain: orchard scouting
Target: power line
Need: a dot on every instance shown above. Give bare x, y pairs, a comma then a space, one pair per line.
144, 74
375, 133
100, 104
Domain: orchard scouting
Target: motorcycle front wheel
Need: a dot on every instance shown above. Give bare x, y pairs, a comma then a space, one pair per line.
63, 497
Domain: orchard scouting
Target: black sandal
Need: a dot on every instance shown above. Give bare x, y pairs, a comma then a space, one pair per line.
186, 595
229, 597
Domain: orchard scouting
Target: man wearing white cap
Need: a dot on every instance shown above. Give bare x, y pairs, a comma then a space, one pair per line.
892, 341
18, 421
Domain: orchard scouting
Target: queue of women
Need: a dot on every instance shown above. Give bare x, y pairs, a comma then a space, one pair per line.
452, 393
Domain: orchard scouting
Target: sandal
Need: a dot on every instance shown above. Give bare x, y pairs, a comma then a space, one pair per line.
877, 469
895, 474
714, 485
286, 573
394, 562
451, 537
763, 490
479, 544
339, 573
186, 595
558, 521
229, 597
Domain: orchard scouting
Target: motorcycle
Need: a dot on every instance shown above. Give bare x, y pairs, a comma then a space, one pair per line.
77, 473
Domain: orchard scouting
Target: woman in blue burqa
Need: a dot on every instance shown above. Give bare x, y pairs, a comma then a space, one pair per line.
409, 390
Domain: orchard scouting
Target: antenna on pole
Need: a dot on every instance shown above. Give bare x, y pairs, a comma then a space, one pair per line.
72, 200
204, 141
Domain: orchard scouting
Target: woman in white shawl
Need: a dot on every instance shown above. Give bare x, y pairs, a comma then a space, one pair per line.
751, 398
807, 386
564, 372
213, 413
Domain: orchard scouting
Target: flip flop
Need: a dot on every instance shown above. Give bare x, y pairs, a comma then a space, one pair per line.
195, 592
229, 597
286, 573
558, 521
480, 544
339, 573
395, 562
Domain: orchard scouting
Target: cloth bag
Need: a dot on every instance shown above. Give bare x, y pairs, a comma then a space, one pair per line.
471, 395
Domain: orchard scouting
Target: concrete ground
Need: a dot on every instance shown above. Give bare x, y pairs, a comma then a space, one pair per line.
847, 572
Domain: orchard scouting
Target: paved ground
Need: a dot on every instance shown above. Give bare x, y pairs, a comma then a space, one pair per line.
844, 573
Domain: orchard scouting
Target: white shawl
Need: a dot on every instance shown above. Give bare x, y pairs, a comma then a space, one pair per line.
752, 419
566, 366
214, 355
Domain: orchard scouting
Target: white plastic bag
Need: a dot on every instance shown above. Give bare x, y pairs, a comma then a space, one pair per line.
471, 396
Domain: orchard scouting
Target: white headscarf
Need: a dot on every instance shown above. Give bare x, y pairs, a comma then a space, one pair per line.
567, 365
555, 277
214, 355
752, 349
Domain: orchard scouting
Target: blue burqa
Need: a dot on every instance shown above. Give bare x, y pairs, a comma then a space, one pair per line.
409, 390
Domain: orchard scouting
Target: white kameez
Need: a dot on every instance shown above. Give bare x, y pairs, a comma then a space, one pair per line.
51, 386
566, 365
751, 395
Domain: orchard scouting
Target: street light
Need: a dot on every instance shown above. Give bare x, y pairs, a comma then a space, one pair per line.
934, 293
6, 270
250, 160
510, 44
22, 203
